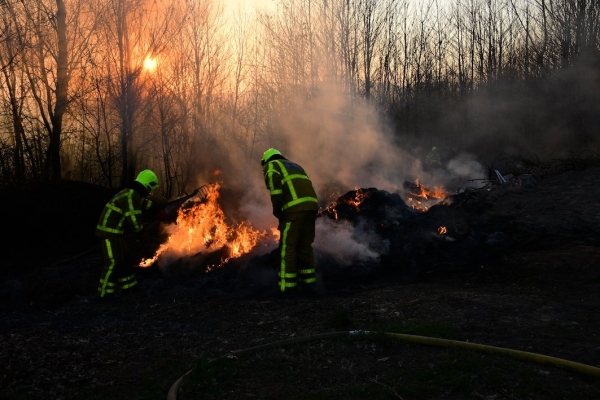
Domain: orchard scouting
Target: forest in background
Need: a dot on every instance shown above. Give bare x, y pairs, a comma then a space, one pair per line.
94, 91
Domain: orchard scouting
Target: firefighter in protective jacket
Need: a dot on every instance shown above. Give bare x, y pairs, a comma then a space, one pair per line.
295, 205
122, 215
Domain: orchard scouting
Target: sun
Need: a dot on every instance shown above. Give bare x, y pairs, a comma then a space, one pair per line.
150, 64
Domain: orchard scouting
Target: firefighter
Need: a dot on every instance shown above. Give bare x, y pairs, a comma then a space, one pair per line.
295, 205
433, 158
121, 216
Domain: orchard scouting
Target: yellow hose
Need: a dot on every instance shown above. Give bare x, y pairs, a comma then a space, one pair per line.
521, 355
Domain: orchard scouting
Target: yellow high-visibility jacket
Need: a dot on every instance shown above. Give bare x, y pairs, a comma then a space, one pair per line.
123, 212
290, 188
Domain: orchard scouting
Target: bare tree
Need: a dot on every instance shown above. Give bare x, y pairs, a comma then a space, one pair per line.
205, 64
165, 118
372, 18
133, 31
10, 48
43, 29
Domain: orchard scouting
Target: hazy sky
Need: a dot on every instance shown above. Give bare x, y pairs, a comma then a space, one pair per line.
262, 4
271, 4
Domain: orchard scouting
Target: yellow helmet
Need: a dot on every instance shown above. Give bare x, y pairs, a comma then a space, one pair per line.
268, 154
148, 179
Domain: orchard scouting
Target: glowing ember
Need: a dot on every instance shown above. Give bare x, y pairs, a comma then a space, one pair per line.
416, 204
202, 228
360, 195
331, 209
442, 230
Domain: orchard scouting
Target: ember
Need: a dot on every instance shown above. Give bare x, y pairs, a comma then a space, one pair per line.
201, 228
360, 196
352, 199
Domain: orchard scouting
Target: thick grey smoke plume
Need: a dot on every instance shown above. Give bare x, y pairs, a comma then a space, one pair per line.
343, 145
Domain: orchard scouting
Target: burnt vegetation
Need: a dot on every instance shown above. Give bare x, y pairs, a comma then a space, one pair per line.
515, 268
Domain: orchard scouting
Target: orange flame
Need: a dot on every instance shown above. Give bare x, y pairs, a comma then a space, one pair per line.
359, 196
416, 204
438, 192
332, 209
442, 230
202, 227
275, 234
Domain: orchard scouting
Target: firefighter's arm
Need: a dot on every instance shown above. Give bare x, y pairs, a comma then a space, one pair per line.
133, 213
277, 211
273, 182
138, 224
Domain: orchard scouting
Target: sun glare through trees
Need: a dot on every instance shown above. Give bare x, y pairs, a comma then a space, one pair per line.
92, 90
150, 64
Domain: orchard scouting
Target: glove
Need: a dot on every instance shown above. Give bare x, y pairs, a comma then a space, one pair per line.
162, 215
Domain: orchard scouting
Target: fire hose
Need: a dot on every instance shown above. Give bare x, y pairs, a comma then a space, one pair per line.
517, 354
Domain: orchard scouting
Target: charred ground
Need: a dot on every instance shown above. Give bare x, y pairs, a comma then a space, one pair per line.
520, 271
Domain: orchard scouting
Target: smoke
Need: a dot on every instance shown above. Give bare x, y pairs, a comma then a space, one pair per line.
461, 171
465, 167
345, 243
555, 116
342, 144
343, 140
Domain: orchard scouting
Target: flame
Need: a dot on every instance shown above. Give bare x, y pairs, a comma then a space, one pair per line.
442, 230
438, 192
202, 227
275, 234
331, 209
421, 192
416, 204
359, 197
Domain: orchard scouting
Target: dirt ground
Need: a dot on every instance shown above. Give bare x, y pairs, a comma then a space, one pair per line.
537, 291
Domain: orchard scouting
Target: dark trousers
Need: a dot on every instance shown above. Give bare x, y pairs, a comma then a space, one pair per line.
297, 233
118, 273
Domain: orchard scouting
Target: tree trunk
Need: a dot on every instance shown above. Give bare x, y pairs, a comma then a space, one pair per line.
62, 84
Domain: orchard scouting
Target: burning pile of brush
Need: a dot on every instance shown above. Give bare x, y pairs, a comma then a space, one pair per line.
377, 229
202, 233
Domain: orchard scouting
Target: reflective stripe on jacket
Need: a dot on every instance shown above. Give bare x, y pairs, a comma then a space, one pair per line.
122, 212
290, 188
